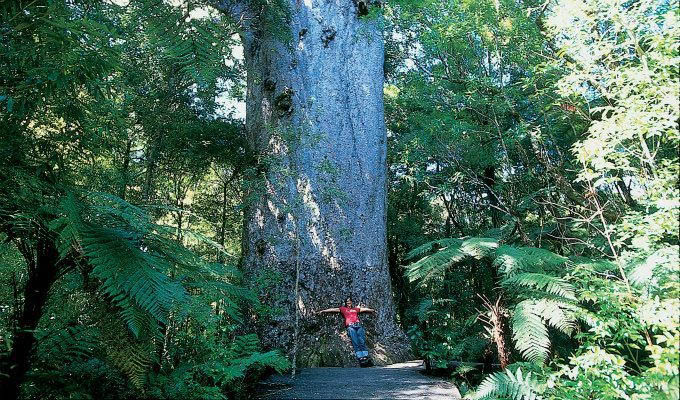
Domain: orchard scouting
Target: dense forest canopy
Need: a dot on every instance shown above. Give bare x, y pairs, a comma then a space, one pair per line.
498, 178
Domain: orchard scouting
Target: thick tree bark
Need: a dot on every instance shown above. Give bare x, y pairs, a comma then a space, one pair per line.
316, 220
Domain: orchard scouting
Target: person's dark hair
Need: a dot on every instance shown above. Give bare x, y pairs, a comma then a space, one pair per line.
344, 302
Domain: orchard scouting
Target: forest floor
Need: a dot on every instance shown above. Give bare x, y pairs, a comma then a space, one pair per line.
396, 381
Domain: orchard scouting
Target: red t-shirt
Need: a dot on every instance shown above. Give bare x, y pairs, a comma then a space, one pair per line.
351, 315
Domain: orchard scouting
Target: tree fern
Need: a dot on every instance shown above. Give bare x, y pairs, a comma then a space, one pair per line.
447, 253
542, 282
511, 260
195, 48
656, 268
506, 385
428, 247
433, 265
529, 332
73, 342
242, 355
129, 270
130, 355
543, 299
479, 247
143, 274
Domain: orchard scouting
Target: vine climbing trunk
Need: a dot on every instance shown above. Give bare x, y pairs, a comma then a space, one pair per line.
315, 223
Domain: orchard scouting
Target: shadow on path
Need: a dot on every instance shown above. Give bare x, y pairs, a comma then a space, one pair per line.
396, 381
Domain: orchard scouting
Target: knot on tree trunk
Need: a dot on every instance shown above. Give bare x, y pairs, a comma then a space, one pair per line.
327, 36
363, 6
283, 103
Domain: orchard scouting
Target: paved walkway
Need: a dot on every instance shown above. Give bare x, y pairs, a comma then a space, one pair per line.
396, 381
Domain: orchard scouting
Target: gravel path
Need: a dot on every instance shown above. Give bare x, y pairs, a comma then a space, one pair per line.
396, 381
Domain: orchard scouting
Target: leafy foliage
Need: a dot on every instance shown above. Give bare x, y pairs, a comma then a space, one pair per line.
118, 208
543, 300
508, 385
576, 153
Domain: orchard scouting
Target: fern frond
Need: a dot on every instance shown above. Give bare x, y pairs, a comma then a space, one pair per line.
656, 266
70, 343
133, 358
430, 266
529, 332
479, 247
511, 260
431, 246
242, 355
543, 282
558, 314
245, 344
598, 265
423, 309
130, 355
506, 385
125, 269
453, 252
140, 323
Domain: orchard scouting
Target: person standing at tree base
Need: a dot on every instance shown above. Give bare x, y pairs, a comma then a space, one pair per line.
355, 330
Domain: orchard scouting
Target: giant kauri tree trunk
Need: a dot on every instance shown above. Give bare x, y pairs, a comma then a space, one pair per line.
315, 223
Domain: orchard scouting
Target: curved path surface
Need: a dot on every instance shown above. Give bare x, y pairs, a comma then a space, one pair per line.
396, 381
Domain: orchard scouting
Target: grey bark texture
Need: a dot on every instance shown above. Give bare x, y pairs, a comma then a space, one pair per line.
315, 223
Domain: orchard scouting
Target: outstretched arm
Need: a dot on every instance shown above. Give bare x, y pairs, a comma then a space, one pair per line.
329, 310
364, 309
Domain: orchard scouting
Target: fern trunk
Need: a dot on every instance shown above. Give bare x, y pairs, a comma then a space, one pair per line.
42, 273
315, 222
498, 335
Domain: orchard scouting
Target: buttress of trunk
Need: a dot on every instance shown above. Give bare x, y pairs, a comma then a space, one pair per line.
315, 118
42, 272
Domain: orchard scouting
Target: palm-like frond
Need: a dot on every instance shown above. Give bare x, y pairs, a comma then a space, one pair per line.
129, 270
243, 354
506, 385
435, 264
448, 252
656, 267
143, 273
543, 282
431, 246
479, 247
72, 342
558, 314
545, 299
511, 260
529, 325
529, 332
194, 48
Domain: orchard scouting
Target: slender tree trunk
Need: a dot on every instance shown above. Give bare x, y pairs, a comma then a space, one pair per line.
316, 221
126, 170
147, 192
489, 180
223, 220
42, 273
